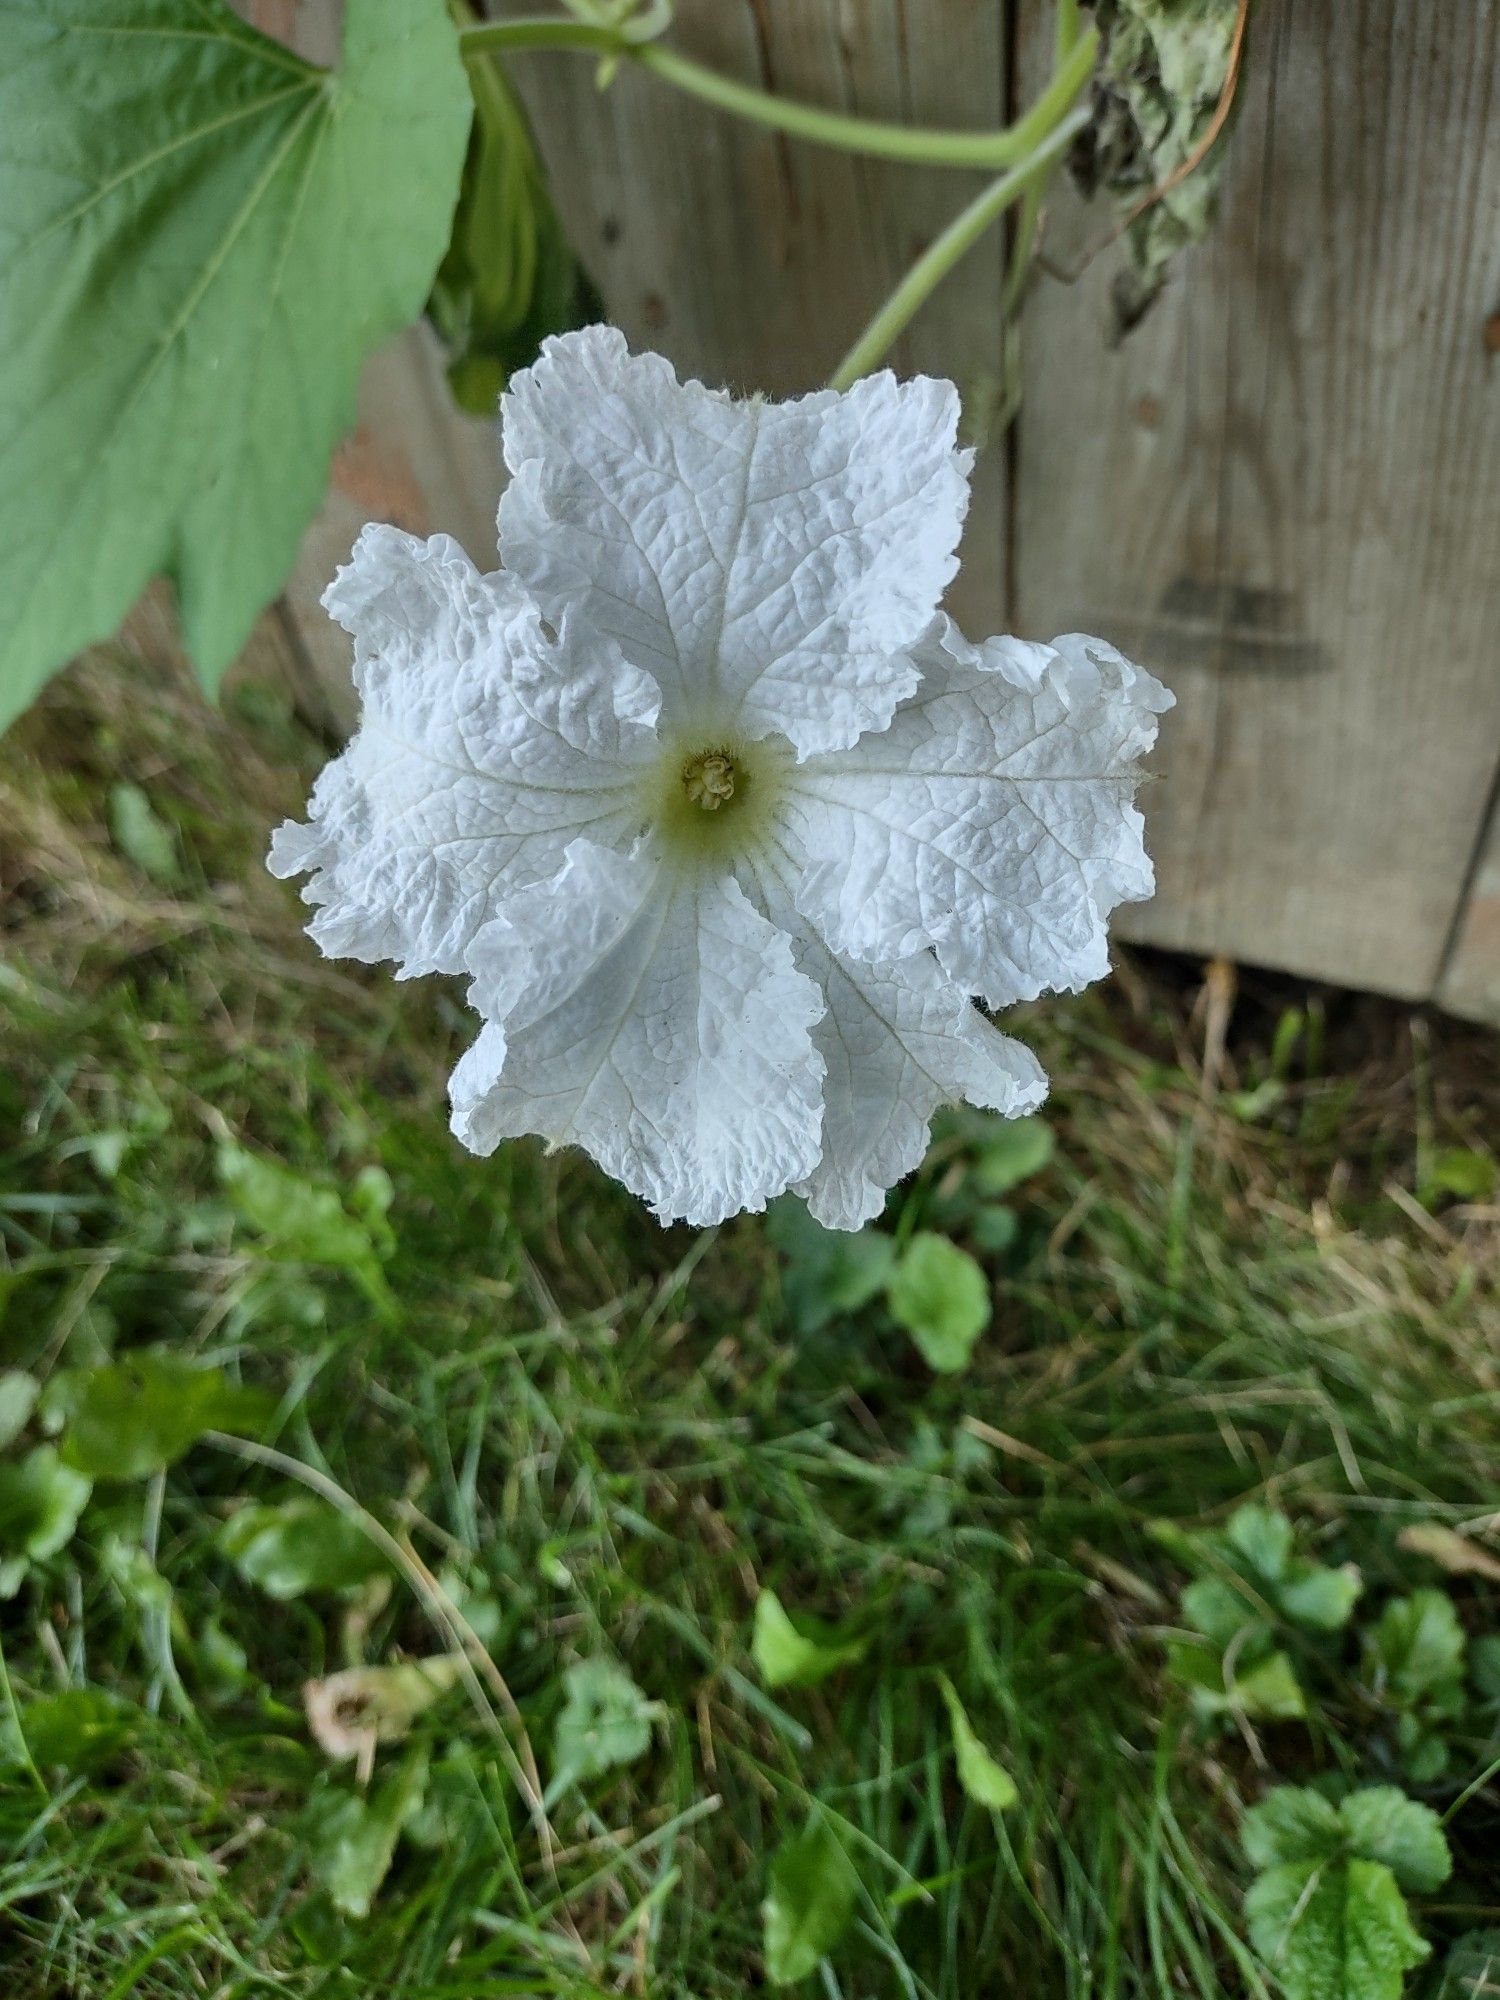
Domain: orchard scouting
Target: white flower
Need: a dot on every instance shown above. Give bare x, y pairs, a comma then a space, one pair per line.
723, 819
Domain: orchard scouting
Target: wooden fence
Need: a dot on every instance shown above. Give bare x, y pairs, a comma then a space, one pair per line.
1282, 492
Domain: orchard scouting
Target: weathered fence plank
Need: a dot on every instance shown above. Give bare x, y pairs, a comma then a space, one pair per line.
1470, 982
1284, 491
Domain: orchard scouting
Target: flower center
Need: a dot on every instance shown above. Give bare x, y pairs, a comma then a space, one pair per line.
708, 779
712, 802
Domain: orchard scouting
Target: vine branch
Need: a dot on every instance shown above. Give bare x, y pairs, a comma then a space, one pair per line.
916, 145
962, 233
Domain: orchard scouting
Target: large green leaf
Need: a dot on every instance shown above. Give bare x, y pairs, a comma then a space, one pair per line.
201, 238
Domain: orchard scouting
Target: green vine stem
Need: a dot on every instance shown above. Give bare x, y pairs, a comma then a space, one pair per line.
1029, 181
962, 233
914, 144
1068, 31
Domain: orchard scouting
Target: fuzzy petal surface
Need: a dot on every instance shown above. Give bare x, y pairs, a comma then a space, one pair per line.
898, 1042
485, 746
769, 564
650, 1015
992, 822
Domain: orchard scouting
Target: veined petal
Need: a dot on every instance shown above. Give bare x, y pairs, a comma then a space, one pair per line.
898, 1042
991, 822
484, 747
768, 563
646, 1012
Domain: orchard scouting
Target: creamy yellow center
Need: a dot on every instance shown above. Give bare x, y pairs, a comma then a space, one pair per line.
708, 779
714, 801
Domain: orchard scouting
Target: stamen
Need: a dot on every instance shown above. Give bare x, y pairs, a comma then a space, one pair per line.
708, 779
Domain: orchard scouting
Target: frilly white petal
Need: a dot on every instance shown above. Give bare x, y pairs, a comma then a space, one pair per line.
770, 564
992, 822
652, 1016
898, 1042
485, 745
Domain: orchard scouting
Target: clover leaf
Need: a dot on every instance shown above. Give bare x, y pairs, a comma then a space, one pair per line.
1252, 1585
605, 1722
1414, 1661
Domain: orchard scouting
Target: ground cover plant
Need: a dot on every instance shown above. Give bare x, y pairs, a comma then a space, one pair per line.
421, 1577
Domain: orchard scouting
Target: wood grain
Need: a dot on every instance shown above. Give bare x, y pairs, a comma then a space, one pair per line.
1284, 493
1470, 979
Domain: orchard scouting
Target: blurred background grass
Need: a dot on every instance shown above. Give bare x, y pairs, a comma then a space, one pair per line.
1259, 1264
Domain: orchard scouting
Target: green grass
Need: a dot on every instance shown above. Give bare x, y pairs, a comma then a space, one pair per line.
601, 1439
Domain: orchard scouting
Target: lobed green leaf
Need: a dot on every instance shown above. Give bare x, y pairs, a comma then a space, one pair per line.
201, 239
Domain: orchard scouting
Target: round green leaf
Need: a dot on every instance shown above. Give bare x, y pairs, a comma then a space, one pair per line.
942, 1298
1019, 1148
605, 1721
798, 1654
302, 1545
811, 1899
